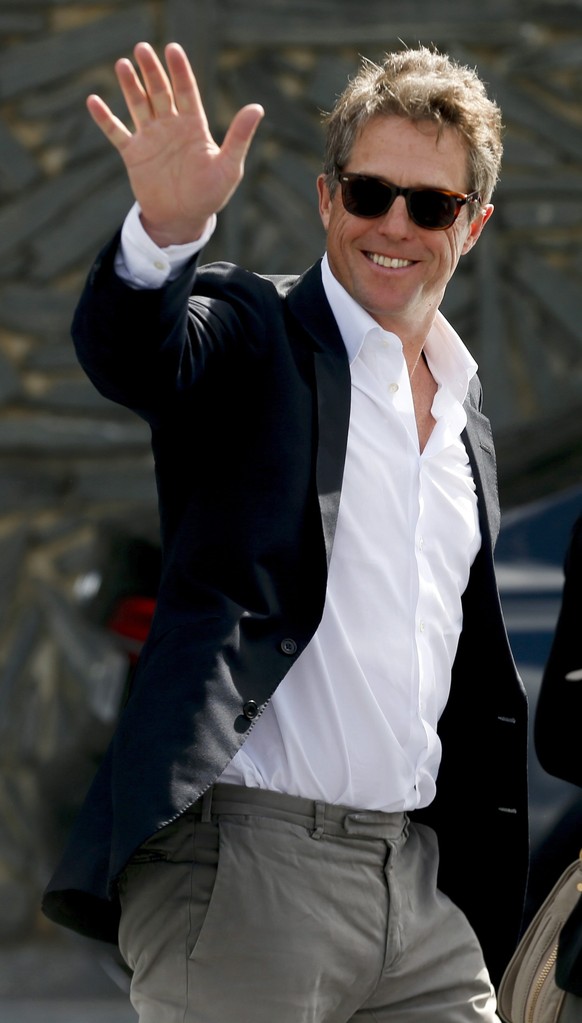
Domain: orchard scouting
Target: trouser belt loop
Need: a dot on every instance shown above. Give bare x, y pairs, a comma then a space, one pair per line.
207, 806
319, 817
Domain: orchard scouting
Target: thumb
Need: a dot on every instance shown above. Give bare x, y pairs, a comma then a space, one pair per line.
240, 134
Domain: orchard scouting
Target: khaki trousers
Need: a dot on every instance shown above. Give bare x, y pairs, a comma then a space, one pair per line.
255, 907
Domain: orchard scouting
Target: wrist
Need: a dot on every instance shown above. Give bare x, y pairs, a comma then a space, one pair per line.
165, 235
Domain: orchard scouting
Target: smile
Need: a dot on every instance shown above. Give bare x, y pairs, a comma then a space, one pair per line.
389, 261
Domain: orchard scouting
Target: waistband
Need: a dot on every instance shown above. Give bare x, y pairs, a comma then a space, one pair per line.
318, 817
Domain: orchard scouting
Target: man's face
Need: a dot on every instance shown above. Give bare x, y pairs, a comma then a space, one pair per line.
396, 270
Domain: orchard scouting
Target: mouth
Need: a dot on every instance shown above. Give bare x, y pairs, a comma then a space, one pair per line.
391, 262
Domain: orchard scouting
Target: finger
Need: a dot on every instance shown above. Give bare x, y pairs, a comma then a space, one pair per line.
135, 96
110, 125
156, 81
186, 93
241, 132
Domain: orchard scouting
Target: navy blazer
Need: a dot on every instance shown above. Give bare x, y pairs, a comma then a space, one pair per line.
245, 383
559, 707
557, 731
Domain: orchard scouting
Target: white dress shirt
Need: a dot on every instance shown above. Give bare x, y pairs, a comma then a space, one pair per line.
354, 721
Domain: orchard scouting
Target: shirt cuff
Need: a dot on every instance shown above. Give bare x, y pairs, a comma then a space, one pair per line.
143, 264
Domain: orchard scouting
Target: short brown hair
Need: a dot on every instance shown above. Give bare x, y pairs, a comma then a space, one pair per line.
420, 85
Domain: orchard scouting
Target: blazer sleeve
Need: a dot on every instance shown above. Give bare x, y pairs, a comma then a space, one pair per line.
558, 714
148, 348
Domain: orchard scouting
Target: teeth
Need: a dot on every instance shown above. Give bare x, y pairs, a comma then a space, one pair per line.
394, 264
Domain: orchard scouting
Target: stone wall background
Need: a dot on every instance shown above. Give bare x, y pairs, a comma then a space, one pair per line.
75, 471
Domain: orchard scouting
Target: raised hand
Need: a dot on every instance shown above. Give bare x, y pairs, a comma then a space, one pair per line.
178, 173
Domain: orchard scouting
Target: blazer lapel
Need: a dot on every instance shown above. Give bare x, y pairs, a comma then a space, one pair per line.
310, 308
478, 440
308, 305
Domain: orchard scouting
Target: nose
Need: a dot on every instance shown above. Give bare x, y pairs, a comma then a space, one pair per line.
396, 219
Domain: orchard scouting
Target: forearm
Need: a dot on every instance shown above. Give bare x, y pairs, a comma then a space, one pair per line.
119, 332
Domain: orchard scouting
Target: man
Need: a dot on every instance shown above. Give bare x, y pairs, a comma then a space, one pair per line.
266, 814
557, 744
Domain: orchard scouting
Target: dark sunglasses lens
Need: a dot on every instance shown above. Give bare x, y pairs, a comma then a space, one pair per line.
433, 210
364, 197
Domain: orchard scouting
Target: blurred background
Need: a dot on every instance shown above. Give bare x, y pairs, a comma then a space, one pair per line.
78, 551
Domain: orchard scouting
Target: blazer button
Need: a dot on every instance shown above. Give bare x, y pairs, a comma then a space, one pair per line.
289, 647
250, 710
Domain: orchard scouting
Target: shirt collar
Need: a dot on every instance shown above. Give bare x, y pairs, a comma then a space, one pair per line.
450, 362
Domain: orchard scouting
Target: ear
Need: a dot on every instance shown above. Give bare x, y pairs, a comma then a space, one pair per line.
325, 200
476, 227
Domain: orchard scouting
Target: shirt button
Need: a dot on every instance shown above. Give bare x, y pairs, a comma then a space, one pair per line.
421, 543
289, 647
250, 710
393, 388
159, 265
421, 625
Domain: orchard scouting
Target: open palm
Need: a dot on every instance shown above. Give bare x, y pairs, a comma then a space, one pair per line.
179, 175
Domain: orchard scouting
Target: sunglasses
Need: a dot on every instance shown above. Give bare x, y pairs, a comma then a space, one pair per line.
432, 208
